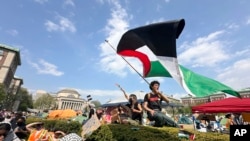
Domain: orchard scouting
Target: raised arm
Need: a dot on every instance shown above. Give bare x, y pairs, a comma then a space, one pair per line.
125, 95
30, 126
162, 96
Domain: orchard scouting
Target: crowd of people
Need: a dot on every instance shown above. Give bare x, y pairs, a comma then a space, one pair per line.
135, 111
13, 125
219, 123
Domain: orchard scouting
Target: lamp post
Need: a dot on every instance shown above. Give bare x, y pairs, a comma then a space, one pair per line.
89, 98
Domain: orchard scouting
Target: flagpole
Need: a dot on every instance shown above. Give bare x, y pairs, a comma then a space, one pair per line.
128, 63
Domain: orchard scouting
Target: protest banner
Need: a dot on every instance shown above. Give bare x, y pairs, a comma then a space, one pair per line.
91, 125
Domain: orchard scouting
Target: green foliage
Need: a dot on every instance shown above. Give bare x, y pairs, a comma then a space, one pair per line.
2, 94
63, 125
25, 99
103, 134
45, 102
185, 110
117, 132
96, 102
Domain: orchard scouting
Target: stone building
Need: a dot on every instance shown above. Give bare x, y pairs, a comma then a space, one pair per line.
190, 101
15, 85
65, 99
9, 61
70, 99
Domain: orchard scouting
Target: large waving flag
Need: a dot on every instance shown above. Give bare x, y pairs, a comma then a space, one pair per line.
160, 39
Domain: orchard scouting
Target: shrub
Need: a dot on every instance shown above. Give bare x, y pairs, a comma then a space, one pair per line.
116, 132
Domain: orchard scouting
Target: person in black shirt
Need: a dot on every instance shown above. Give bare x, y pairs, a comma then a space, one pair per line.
152, 104
134, 105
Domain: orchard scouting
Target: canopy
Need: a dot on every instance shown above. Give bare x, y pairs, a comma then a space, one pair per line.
232, 105
164, 104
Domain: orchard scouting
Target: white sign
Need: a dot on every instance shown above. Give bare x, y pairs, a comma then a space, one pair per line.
91, 125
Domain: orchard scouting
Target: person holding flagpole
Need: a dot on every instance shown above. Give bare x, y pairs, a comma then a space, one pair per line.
152, 104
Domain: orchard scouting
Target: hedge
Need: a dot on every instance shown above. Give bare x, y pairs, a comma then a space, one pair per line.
123, 132
117, 132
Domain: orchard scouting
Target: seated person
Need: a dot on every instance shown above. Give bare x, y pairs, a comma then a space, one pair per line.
135, 107
119, 114
152, 104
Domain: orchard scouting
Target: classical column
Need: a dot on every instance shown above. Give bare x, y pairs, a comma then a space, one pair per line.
63, 103
77, 105
59, 104
67, 105
74, 106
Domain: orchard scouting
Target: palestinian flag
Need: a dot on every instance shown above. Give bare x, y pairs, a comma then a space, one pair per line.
160, 40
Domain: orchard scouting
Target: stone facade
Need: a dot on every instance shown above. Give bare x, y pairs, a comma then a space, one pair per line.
190, 101
70, 99
9, 60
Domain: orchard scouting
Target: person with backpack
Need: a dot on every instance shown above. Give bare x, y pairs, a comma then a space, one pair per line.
152, 104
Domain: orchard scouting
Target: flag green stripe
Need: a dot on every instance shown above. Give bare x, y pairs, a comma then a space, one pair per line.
157, 69
202, 86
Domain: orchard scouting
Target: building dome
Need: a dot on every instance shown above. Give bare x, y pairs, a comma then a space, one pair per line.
71, 93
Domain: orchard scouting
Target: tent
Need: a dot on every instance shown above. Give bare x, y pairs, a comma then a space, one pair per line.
227, 105
62, 114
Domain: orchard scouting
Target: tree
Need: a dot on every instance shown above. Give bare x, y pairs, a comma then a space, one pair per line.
185, 110
9, 101
45, 102
2, 95
96, 103
25, 99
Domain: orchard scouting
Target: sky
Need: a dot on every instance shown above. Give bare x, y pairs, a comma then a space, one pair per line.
62, 43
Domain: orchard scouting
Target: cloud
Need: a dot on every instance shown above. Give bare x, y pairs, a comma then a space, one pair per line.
41, 1
12, 32
63, 25
44, 67
237, 75
199, 52
102, 95
110, 62
248, 21
242, 53
69, 3
232, 26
